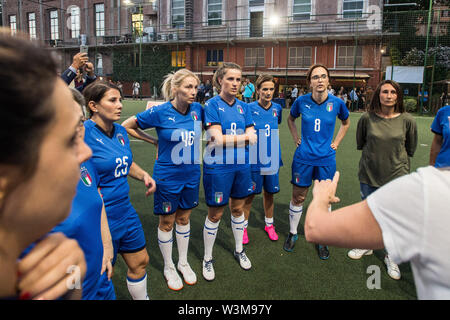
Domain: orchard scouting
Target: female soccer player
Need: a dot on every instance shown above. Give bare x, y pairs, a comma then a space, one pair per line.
226, 174
315, 156
387, 136
177, 172
39, 171
88, 224
267, 116
113, 160
440, 147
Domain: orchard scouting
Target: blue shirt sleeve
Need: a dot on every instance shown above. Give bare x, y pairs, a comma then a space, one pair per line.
295, 109
248, 116
148, 118
280, 114
211, 115
436, 125
343, 111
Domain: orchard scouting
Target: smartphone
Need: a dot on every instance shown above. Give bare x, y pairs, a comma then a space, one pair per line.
84, 48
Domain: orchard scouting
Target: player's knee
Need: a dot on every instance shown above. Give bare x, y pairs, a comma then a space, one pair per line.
298, 200
182, 221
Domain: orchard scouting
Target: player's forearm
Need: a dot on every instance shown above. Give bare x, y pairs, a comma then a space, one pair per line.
293, 129
106, 234
133, 130
136, 172
435, 148
342, 132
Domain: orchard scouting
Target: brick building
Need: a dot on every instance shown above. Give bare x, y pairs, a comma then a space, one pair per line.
280, 37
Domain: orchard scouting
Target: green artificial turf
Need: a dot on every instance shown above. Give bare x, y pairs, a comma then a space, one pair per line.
275, 274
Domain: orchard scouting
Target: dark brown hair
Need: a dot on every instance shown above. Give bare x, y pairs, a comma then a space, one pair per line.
264, 77
311, 69
27, 81
96, 91
375, 105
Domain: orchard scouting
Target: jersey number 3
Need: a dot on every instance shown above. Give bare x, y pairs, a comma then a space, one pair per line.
122, 167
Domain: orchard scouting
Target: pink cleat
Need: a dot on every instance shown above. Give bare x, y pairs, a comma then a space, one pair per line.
271, 232
245, 238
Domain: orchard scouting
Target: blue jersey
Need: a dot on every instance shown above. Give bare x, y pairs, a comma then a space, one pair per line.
84, 225
179, 139
112, 159
318, 123
234, 120
441, 126
266, 126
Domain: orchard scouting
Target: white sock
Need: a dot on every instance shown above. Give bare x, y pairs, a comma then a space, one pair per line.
269, 221
138, 288
295, 214
182, 235
245, 224
237, 225
165, 241
209, 237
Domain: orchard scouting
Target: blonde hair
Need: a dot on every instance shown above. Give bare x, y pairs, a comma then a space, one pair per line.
174, 80
220, 72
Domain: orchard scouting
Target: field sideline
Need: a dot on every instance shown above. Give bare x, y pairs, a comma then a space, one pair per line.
275, 274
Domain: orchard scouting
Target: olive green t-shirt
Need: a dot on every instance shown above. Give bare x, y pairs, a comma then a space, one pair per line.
386, 146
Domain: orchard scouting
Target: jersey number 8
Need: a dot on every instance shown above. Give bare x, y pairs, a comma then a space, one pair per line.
317, 125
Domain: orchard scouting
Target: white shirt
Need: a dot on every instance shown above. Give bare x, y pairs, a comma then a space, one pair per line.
414, 215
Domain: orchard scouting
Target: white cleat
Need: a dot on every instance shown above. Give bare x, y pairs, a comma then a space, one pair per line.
188, 274
208, 270
174, 281
359, 253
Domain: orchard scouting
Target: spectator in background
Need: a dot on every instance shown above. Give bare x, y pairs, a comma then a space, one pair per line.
294, 94
80, 63
136, 87
208, 90
361, 99
331, 90
353, 99
249, 91
120, 86
201, 93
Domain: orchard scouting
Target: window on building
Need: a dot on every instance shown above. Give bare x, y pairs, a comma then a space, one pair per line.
254, 56
445, 13
179, 59
301, 10
214, 12
54, 25
300, 56
137, 20
99, 19
177, 13
75, 27
214, 57
346, 56
32, 25
353, 8
13, 24
99, 64
254, 3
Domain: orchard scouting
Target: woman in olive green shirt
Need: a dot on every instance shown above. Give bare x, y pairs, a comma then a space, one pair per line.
387, 136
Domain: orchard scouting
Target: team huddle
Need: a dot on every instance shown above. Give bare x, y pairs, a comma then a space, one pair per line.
242, 158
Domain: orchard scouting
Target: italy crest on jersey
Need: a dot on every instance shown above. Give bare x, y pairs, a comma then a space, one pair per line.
85, 177
167, 206
241, 111
330, 106
297, 177
121, 139
274, 113
218, 197
194, 116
